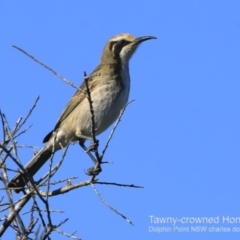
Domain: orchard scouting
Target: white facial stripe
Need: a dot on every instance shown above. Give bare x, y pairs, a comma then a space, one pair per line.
125, 36
118, 38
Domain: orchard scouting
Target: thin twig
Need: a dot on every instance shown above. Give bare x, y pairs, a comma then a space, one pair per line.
52, 228
110, 207
30, 111
12, 215
114, 128
23, 131
95, 141
65, 189
32, 224
118, 184
35, 209
18, 223
35, 206
3, 125
51, 173
67, 234
50, 69
64, 180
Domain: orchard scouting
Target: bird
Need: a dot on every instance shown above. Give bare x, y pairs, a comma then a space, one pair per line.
109, 86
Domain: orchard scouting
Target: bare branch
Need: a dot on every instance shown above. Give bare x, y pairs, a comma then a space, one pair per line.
18, 126
95, 141
41, 210
13, 214
50, 69
110, 207
115, 127
119, 184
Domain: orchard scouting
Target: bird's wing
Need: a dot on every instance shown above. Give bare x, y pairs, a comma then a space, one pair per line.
77, 98
72, 104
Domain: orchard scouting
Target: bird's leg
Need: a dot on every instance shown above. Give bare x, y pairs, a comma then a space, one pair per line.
93, 146
96, 169
81, 143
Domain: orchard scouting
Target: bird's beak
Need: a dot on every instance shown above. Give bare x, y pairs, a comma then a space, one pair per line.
142, 39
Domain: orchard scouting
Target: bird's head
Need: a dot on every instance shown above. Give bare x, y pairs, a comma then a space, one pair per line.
122, 46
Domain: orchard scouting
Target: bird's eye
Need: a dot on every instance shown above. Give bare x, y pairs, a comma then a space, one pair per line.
122, 42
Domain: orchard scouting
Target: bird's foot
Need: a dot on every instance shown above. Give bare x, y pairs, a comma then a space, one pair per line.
93, 147
94, 171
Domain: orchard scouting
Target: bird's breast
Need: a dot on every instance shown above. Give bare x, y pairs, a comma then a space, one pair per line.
109, 96
110, 99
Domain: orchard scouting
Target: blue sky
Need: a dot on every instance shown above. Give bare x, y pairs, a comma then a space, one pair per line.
180, 139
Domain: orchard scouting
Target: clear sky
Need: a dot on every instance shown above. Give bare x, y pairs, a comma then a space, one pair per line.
180, 139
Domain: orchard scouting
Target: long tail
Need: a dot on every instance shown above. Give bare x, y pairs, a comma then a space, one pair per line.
21, 179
